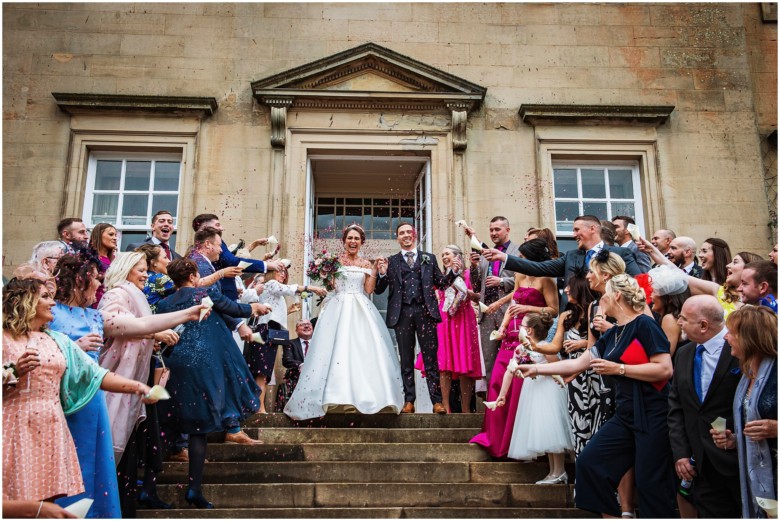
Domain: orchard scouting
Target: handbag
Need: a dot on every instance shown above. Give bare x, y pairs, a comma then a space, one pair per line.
277, 335
161, 374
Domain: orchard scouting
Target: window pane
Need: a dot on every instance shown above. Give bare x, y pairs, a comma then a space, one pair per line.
623, 209
407, 202
134, 209
593, 186
137, 175
565, 182
621, 184
129, 238
325, 218
407, 212
367, 222
104, 207
164, 202
597, 209
166, 176
324, 200
107, 174
356, 202
354, 211
565, 212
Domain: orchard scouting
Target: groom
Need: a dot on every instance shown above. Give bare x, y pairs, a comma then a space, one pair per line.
412, 310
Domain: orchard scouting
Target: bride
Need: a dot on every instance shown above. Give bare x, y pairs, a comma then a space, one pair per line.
352, 363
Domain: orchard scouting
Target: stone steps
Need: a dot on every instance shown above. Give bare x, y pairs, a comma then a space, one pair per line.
290, 435
381, 420
369, 513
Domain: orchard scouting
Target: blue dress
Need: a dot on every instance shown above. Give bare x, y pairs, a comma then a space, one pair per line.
90, 427
210, 384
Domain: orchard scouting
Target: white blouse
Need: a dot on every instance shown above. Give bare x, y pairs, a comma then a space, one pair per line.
273, 295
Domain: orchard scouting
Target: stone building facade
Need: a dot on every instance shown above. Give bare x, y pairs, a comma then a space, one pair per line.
294, 119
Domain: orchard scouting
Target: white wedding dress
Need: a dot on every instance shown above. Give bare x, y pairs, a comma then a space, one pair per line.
352, 363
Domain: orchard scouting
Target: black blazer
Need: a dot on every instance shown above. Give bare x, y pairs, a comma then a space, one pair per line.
563, 266
292, 353
431, 278
689, 421
132, 247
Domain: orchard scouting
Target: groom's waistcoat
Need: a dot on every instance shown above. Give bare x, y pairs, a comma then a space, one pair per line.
411, 282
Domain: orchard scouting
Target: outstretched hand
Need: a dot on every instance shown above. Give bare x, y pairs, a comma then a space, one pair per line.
492, 255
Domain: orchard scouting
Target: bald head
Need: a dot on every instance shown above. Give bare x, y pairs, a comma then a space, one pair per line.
662, 239
701, 318
682, 251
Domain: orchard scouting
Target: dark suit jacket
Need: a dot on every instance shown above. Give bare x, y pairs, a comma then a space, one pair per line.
689, 421
292, 353
227, 259
132, 247
228, 313
431, 278
563, 266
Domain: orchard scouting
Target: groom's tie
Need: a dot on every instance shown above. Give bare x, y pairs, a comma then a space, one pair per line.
410, 258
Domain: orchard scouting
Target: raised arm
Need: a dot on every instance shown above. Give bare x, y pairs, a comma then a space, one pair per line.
116, 324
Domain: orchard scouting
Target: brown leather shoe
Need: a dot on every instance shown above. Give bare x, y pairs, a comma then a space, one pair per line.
439, 409
408, 408
183, 456
242, 438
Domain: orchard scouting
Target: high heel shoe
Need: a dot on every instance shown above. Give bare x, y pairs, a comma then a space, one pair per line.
554, 480
153, 502
197, 499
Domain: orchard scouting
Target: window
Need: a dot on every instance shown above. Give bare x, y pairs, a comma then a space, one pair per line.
379, 217
602, 189
126, 190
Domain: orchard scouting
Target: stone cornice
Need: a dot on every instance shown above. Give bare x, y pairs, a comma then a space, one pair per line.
73, 103
538, 114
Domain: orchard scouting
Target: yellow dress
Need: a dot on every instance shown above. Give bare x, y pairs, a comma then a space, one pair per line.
728, 307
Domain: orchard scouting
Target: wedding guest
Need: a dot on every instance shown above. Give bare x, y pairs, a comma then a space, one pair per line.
670, 291
162, 229
752, 334
637, 435
55, 378
759, 284
45, 256
72, 232
714, 255
293, 357
158, 285
104, 241
459, 352
128, 351
624, 240
531, 295
682, 253
211, 388
662, 239
260, 357
608, 232
572, 340
492, 282
548, 236
773, 254
77, 283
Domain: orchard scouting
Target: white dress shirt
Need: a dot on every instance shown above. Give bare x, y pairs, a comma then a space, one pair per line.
709, 359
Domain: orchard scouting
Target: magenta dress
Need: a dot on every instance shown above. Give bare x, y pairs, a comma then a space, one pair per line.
498, 425
459, 339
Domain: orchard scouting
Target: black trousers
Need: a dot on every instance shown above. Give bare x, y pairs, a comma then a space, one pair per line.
415, 324
127, 476
716, 495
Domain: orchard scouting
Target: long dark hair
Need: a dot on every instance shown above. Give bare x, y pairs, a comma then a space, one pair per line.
721, 253
96, 238
580, 297
673, 304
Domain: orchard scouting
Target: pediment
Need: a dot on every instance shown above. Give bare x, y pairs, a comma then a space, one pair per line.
368, 77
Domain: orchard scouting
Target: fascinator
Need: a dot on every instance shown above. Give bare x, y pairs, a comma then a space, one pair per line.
668, 281
28, 271
602, 255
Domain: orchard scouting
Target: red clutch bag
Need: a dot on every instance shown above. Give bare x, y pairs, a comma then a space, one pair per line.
635, 355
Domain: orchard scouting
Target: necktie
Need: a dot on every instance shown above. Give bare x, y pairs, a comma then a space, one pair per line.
305, 348
497, 264
167, 249
410, 258
697, 371
589, 255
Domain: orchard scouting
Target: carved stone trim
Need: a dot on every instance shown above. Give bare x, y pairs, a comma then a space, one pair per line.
460, 114
652, 115
279, 105
73, 103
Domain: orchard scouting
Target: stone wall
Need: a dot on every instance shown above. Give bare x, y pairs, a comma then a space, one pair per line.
716, 63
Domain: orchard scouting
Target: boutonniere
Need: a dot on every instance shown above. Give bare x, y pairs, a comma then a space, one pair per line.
426, 259
735, 371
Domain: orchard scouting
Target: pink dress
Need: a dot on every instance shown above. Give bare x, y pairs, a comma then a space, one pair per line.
39, 457
498, 425
459, 339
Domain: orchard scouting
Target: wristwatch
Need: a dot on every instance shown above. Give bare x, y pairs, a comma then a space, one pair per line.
622, 369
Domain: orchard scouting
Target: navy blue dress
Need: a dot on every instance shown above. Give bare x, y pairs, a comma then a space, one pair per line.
637, 435
210, 385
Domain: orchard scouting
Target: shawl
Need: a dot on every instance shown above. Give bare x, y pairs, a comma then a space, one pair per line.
82, 377
755, 459
126, 356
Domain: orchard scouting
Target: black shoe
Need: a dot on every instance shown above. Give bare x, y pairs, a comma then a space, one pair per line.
197, 499
153, 502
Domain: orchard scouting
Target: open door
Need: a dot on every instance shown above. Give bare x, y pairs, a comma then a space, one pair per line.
422, 201
309, 238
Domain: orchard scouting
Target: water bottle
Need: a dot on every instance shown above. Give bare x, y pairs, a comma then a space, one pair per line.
167, 350
686, 486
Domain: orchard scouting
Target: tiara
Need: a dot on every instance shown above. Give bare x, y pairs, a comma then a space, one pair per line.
355, 227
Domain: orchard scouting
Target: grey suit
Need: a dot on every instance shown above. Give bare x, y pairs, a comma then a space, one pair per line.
565, 265
642, 259
489, 323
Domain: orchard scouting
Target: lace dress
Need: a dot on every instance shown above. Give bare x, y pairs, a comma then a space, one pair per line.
351, 363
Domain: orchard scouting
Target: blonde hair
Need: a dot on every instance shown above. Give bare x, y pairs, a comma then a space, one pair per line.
455, 250
629, 288
755, 328
120, 268
614, 265
20, 299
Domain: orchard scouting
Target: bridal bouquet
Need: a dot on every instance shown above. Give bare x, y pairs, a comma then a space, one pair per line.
325, 268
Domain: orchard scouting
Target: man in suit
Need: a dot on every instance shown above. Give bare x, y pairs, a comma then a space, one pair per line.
492, 282
682, 252
72, 233
293, 355
624, 240
759, 284
162, 229
227, 259
587, 233
705, 380
413, 311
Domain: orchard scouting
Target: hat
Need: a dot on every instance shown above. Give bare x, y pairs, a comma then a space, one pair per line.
668, 281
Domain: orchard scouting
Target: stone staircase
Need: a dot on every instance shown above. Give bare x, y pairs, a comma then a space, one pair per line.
355, 466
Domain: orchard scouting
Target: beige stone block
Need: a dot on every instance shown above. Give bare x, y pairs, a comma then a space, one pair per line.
420, 32
319, 29
621, 14
60, 65
709, 15
385, 11
480, 34
530, 56
124, 22
528, 14
654, 36
301, 50
550, 34
123, 66
766, 82
213, 48
485, 54
293, 10
439, 55
634, 57
41, 87
579, 15
488, 13
199, 25
608, 35
577, 56
89, 43
738, 100
712, 79
506, 119
158, 8
136, 44
486, 76
726, 37
701, 100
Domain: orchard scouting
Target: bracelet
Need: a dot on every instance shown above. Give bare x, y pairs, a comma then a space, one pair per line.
39, 510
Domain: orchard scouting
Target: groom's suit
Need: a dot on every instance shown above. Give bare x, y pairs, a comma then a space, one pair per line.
413, 311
